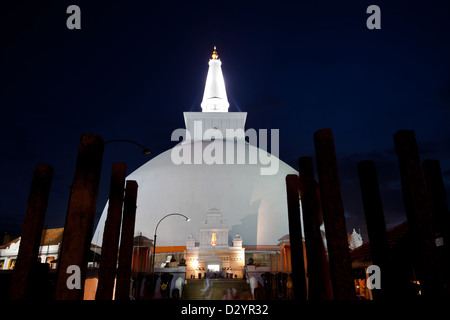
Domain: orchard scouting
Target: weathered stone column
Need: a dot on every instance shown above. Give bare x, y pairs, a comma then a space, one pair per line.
418, 213
376, 225
111, 234
25, 268
319, 283
80, 217
295, 237
438, 199
439, 211
333, 215
126, 242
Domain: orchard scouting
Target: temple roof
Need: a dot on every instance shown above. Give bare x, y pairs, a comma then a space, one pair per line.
49, 237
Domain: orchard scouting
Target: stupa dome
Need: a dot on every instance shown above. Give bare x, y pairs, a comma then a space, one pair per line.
254, 205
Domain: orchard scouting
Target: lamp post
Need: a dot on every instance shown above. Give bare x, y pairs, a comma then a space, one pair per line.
144, 149
154, 237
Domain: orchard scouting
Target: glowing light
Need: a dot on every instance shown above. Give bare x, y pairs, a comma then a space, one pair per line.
213, 239
215, 56
214, 267
194, 264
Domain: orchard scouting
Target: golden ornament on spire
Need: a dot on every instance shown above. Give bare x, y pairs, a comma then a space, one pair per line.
215, 55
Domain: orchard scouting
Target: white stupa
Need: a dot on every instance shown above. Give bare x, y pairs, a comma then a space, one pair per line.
226, 172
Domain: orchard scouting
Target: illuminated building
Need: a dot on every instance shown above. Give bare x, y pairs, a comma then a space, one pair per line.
213, 252
208, 169
48, 249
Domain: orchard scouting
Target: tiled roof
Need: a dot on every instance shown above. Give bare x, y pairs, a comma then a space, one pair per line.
49, 237
52, 236
6, 245
142, 241
169, 249
362, 255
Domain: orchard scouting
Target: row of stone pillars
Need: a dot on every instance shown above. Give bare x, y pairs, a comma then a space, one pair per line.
426, 210
75, 247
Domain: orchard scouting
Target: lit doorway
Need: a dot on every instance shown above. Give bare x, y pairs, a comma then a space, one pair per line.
214, 267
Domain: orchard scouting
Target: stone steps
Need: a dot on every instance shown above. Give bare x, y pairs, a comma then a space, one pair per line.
219, 289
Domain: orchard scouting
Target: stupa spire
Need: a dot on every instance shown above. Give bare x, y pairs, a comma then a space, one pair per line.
215, 56
215, 95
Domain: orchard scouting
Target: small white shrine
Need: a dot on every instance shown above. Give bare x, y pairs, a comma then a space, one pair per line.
213, 255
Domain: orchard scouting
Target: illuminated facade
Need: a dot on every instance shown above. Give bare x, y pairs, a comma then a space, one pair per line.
213, 253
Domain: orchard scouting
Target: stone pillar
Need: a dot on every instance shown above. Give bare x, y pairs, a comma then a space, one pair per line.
333, 215
319, 283
376, 225
418, 213
126, 242
439, 211
80, 217
25, 268
295, 237
438, 199
111, 234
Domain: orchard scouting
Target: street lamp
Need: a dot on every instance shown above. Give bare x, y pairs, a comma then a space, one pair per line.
144, 149
154, 237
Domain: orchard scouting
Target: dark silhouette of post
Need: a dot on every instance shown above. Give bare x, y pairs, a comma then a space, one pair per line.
333, 215
440, 214
111, 234
319, 283
295, 238
418, 213
126, 242
80, 218
376, 225
26, 263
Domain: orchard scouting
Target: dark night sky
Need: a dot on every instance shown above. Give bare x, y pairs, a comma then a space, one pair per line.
296, 66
